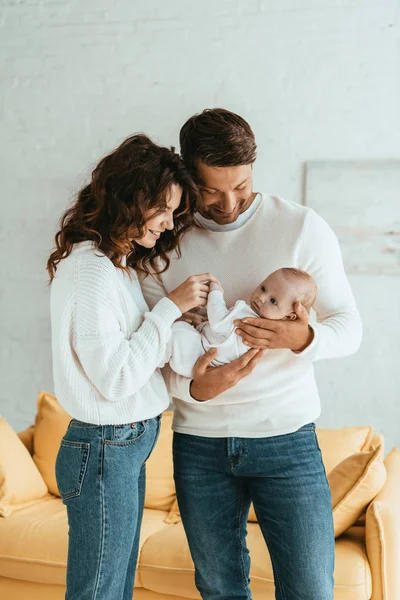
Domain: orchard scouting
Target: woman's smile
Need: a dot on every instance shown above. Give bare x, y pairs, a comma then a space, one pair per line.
156, 234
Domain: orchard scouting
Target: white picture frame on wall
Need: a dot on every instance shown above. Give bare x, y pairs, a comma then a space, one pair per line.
361, 202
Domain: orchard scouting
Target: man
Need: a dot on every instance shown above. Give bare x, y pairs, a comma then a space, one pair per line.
245, 431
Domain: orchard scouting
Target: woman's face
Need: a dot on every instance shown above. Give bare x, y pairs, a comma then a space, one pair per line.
156, 224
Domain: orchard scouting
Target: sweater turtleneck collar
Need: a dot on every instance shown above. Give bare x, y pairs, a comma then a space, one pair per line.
211, 225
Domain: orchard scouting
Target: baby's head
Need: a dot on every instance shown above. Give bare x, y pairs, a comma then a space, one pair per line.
275, 296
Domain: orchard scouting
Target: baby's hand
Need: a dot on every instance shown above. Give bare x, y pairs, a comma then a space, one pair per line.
216, 287
192, 318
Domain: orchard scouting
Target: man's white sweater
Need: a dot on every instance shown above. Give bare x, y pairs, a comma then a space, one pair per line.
281, 394
106, 343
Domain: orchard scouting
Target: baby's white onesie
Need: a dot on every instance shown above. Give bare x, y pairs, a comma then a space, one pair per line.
187, 343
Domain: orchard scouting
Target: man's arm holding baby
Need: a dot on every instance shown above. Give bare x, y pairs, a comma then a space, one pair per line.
338, 330
295, 335
207, 381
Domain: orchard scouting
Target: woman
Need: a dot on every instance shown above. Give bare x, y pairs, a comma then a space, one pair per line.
106, 349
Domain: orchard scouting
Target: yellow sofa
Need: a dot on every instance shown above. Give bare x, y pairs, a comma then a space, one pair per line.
33, 537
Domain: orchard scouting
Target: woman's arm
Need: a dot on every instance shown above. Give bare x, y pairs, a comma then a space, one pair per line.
116, 365
178, 386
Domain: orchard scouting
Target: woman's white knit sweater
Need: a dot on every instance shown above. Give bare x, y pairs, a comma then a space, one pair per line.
106, 343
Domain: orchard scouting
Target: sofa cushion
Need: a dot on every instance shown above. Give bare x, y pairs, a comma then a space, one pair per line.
354, 483
13, 589
34, 541
26, 437
21, 483
338, 444
172, 571
50, 425
160, 488
174, 515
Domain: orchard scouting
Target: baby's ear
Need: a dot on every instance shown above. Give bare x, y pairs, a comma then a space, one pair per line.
291, 316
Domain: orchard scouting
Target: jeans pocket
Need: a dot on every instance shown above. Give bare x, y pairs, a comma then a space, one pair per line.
307, 427
71, 465
128, 434
157, 421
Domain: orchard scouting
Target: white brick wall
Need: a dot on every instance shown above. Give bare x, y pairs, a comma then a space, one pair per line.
317, 79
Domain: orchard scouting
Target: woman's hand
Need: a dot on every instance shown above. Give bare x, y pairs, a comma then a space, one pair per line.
192, 292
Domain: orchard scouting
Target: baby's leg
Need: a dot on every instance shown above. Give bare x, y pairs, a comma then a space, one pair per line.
186, 348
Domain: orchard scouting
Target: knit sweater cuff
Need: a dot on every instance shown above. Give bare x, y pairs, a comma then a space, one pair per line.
184, 391
311, 351
166, 310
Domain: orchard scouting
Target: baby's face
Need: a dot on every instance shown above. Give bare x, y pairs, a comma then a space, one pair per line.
275, 296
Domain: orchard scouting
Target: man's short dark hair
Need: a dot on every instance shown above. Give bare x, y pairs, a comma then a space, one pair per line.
218, 138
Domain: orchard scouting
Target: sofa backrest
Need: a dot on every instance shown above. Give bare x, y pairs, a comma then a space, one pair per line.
43, 441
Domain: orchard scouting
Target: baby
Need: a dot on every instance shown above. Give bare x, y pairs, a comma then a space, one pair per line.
274, 299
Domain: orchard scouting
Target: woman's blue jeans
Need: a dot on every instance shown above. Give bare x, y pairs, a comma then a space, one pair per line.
217, 478
100, 474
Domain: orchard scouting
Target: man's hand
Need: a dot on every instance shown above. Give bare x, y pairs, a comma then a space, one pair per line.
209, 382
267, 333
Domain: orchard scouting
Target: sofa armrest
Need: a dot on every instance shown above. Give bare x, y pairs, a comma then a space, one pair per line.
26, 437
383, 533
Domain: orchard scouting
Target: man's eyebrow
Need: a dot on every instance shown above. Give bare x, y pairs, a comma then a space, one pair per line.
210, 187
244, 181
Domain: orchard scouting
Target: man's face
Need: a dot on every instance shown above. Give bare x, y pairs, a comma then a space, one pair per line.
226, 192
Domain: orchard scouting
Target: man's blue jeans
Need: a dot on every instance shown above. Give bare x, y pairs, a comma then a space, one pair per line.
101, 478
217, 478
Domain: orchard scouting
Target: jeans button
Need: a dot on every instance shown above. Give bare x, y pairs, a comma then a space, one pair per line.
133, 425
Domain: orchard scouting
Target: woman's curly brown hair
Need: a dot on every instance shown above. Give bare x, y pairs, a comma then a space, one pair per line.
133, 179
